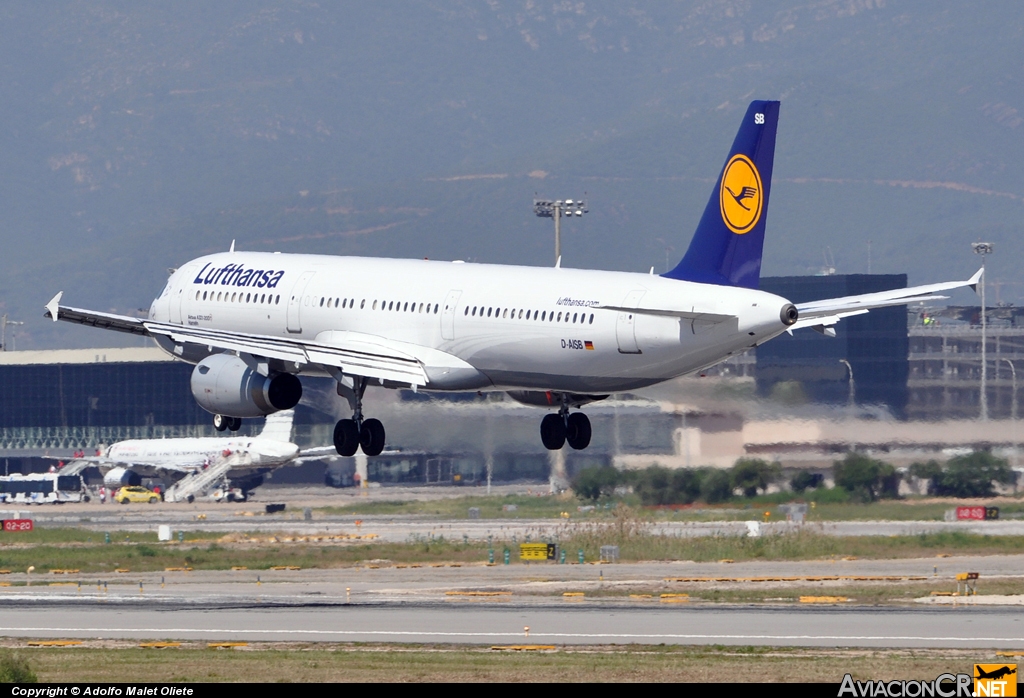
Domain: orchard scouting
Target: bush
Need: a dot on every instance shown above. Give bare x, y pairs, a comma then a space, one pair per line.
753, 474
830, 495
804, 480
865, 478
658, 486
931, 471
15, 669
716, 486
590, 484
972, 475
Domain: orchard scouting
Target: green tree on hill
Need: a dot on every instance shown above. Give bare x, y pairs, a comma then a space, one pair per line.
865, 478
972, 475
590, 484
753, 474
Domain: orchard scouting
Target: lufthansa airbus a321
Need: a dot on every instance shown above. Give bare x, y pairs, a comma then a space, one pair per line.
251, 322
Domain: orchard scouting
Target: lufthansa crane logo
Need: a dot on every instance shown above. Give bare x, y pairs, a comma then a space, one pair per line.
741, 197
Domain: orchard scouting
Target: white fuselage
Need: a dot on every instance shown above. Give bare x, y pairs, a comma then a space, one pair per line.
513, 327
190, 453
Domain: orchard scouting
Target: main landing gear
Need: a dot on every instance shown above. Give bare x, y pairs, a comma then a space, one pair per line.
351, 434
221, 422
558, 429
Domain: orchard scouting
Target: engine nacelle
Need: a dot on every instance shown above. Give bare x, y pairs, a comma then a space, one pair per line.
121, 477
224, 384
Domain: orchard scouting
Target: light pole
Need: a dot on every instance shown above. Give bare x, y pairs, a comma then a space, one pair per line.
4, 322
984, 249
853, 390
1013, 387
545, 208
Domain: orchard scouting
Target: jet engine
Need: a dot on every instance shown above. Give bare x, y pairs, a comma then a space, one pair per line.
224, 384
121, 477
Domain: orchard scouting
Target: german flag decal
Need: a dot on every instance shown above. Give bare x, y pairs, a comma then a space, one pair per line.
589, 345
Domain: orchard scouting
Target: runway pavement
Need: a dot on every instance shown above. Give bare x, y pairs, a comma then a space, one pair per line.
415, 605
833, 627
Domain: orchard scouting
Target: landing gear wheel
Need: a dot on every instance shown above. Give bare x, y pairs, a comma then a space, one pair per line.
577, 431
371, 437
552, 432
235, 424
220, 422
346, 437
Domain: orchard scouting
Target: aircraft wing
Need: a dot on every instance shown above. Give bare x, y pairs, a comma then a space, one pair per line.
318, 452
376, 360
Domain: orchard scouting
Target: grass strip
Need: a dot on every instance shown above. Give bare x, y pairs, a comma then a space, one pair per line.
635, 540
422, 663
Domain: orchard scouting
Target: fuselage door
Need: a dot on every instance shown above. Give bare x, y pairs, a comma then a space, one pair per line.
295, 302
451, 302
625, 324
177, 298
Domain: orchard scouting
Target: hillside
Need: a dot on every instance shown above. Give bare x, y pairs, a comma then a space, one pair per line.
140, 135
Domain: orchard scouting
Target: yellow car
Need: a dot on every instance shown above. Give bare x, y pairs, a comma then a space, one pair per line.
126, 495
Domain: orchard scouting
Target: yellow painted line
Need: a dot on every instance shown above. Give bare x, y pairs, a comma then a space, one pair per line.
63, 584
675, 596
63, 571
159, 645
53, 643
524, 648
727, 560
943, 593
573, 594
1012, 653
5, 571
238, 568
5, 584
226, 645
177, 569
285, 567
122, 570
823, 599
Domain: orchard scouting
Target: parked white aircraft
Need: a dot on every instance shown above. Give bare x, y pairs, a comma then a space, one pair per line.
553, 337
126, 462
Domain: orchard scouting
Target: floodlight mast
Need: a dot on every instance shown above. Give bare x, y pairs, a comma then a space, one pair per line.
4, 322
545, 208
984, 249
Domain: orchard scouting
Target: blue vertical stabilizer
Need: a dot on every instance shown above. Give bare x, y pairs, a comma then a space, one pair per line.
726, 248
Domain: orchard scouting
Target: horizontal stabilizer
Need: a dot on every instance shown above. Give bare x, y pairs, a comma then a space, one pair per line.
882, 299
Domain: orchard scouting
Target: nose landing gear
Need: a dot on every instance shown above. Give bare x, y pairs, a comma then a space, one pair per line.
558, 429
351, 434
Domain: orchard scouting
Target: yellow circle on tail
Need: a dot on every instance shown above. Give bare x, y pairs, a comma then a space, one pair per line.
741, 196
